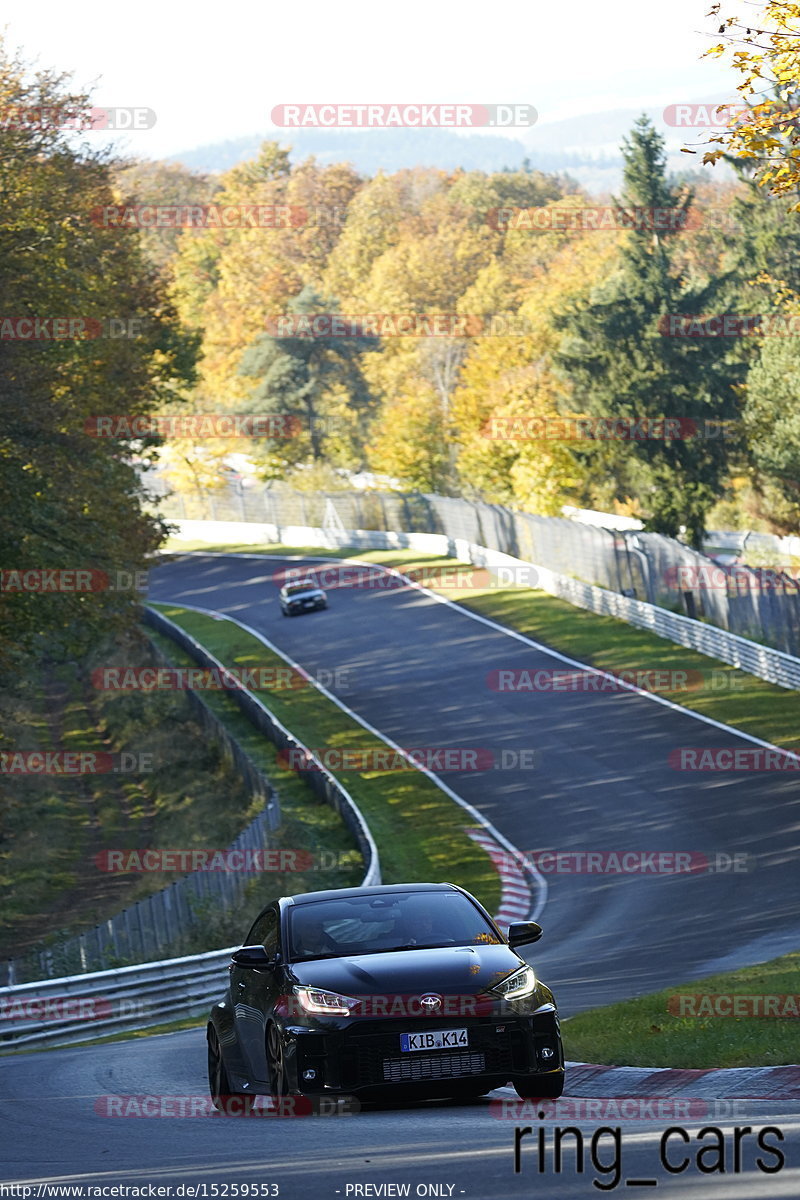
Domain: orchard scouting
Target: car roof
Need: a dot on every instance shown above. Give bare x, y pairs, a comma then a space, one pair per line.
378, 890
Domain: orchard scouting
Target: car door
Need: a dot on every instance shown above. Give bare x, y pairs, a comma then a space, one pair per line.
254, 994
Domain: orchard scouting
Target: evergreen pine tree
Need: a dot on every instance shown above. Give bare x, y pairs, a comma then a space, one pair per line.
619, 360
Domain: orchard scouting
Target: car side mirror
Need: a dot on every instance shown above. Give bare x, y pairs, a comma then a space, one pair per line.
523, 932
254, 957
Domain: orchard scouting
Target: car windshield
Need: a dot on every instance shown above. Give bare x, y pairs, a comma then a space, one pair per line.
296, 588
392, 921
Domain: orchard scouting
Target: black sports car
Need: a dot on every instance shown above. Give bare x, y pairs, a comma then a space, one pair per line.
409, 989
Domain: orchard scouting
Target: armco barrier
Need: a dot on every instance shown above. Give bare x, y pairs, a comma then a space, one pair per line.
771, 665
320, 780
148, 928
79, 1008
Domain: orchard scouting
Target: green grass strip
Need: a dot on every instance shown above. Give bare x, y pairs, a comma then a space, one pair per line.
649, 1032
307, 822
419, 831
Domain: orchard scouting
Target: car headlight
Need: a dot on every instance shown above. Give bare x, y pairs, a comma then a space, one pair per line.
516, 986
322, 1003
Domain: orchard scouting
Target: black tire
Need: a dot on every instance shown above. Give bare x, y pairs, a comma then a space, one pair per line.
224, 1099
276, 1064
539, 1087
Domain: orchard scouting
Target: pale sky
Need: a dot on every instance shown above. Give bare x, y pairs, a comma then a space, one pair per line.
213, 71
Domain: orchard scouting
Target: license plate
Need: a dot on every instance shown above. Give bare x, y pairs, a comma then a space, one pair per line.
436, 1039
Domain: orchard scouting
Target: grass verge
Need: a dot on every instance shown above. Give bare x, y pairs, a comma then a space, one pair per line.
419, 831
175, 790
307, 822
650, 1032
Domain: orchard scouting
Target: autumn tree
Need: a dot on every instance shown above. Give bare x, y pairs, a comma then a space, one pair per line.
313, 381
772, 421
536, 277
162, 184
764, 131
409, 442
69, 499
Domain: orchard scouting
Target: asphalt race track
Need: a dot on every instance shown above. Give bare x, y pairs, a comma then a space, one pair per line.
50, 1131
417, 670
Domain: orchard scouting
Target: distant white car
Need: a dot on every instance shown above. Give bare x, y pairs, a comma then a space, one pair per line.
303, 596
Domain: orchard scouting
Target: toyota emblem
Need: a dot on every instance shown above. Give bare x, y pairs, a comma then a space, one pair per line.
430, 1001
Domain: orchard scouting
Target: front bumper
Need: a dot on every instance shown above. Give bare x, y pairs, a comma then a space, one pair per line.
366, 1056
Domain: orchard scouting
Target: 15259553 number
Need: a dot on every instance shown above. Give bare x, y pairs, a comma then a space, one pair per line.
232, 1191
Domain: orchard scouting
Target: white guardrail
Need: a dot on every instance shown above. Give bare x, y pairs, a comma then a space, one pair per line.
80, 1008
771, 665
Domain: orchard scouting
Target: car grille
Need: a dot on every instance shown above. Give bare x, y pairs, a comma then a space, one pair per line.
374, 1058
433, 1066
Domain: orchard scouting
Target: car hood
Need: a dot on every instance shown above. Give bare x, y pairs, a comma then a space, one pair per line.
450, 970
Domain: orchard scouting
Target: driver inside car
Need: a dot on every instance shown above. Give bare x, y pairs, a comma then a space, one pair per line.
312, 938
418, 930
